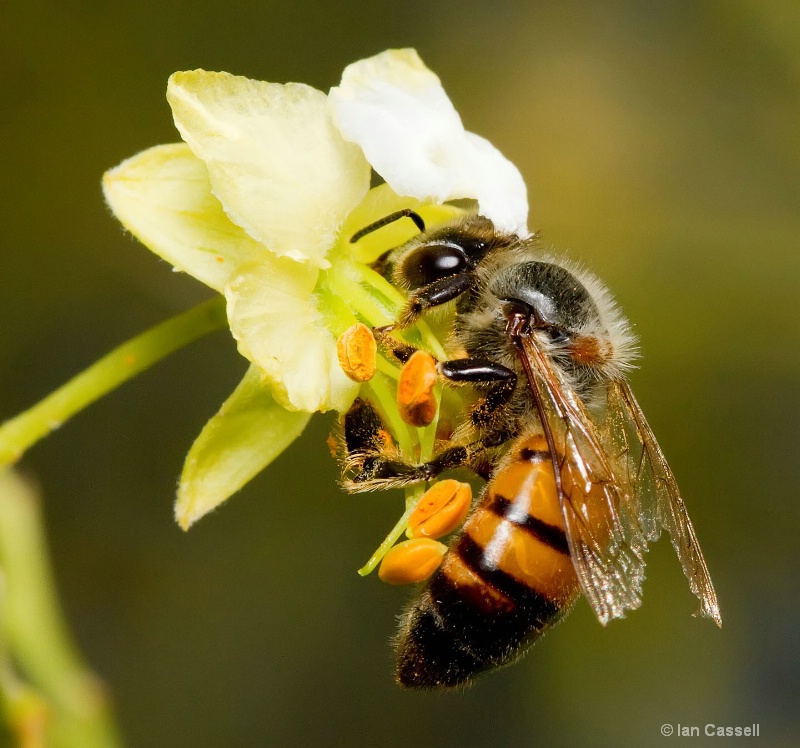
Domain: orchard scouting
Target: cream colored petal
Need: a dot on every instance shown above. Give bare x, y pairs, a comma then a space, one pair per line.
277, 164
273, 317
397, 111
163, 197
248, 433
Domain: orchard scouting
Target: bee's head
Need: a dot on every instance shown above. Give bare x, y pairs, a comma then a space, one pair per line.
453, 249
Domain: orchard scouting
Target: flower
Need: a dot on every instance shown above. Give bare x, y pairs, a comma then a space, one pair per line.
258, 203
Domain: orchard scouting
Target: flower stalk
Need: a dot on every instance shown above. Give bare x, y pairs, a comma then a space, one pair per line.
54, 700
18, 434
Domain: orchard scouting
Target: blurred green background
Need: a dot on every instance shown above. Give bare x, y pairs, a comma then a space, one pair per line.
661, 145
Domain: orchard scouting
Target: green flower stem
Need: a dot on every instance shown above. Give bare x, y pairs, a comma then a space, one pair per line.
359, 298
386, 367
383, 395
411, 502
378, 303
338, 315
59, 698
122, 364
369, 277
375, 281
26, 711
373, 298
427, 435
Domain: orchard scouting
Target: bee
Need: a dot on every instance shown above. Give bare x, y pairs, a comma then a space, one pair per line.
577, 484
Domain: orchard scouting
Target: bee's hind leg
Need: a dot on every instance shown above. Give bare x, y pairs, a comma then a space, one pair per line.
372, 461
371, 458
370, 471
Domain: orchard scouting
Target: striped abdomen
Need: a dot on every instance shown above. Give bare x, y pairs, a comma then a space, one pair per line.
507, 577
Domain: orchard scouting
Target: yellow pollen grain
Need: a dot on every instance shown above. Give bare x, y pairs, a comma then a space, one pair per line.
415, 398
412, 561
441, 509
357, 352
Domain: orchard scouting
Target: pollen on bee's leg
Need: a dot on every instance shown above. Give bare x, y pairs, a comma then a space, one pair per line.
333, 445
441, 509
357, 352
415, 398
412, 561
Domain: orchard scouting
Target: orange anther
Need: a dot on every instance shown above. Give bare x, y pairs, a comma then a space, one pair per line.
442, 509
357, 352
412, 561
415, 399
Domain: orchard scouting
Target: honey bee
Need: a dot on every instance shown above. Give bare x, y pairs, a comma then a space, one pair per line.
577, 484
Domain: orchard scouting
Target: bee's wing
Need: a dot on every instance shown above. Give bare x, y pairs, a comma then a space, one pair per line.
601, 516
616, 492
650, 480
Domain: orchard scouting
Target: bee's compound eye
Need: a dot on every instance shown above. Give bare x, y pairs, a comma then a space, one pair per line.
412, 561
441, 509
432, 262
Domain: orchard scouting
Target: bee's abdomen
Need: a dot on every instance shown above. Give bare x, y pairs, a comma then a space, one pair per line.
507, 577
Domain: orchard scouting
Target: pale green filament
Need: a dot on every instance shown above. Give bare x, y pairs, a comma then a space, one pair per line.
376, 302
413, 496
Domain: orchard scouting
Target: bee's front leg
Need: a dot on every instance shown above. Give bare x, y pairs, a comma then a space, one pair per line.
431, 295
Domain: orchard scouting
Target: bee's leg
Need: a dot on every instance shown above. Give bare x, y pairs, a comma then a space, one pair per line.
370, 455
396, 348
500, 379
433, 294
373, 461
378, 471
501, 382
363, 429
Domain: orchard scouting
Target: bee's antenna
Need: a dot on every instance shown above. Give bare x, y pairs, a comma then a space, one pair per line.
391, 218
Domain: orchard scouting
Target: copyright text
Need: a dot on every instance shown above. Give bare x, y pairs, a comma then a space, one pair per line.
711, 731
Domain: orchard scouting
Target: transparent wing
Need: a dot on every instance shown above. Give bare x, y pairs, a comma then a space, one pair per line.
650, 480
601, 514
616, 492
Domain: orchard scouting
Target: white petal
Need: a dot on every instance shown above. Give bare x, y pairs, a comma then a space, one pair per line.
163, 197
397, 111
277, 164
272, 315
248, 433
